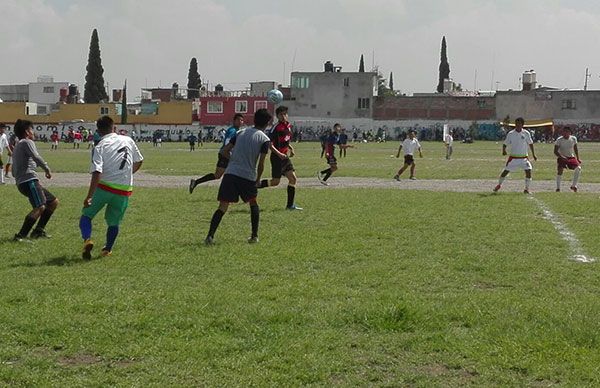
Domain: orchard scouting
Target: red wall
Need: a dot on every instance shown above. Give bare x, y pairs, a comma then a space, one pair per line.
226, 117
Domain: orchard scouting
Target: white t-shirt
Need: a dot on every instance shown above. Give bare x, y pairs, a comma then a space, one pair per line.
518, 142
114, 157
409, 146
3, 142
449, 140
566, 147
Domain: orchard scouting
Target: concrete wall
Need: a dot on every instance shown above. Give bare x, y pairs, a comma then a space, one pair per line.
328, 95
542, 104
434, 107
14, 93
37, 95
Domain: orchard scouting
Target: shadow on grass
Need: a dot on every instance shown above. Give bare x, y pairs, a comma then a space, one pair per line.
59, 261
487, 195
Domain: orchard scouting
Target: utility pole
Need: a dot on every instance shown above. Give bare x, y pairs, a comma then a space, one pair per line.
587, 76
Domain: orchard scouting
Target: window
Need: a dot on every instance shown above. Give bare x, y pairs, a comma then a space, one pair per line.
481, 103
364, 103
241, 106
103, 110
48, 89
215, 107
260, 105
42, 110
313, 106
569, 104
347, 81
300, 82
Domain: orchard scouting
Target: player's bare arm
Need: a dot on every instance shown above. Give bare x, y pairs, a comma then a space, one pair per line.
136, 166
532, 152
399, 149
558, 155
92, 189
292, 152
260, 168
576, 152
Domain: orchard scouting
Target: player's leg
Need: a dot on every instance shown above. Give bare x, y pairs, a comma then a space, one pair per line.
559, 173
115, 211
1, 171
219, 171
527, 181
276, 173
228, 193
50, 206
412, 170
99, 200
501, 179
249, 193
290, 174
402, 169
576, 173
37, 200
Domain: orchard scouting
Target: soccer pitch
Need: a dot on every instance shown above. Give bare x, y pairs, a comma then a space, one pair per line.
366, 286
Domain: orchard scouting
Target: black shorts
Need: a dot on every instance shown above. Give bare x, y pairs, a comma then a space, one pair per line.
331, 159
37, 195
222, 162
409, 159
233, 187
280, 167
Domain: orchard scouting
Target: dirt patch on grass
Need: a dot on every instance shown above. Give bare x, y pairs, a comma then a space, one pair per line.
81, 359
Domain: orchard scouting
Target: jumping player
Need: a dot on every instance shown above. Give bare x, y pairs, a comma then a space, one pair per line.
114, 161
518, 139
567, 154
409, 146
223, 160
281, 152
26, 158
242, 176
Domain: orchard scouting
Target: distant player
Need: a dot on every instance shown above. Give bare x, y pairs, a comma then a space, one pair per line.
192, 141
242, 176
12, 142
518, 139
3, 145
332, 140
343, 140
223, 160
77, 139
281, 152
26, 158
114, 161
565, 149
54, 140
409, 146
448, 141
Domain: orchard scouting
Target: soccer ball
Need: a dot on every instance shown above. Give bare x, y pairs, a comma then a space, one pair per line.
275, 96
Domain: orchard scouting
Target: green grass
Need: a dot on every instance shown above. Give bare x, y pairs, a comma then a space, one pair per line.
365, 287
481, 160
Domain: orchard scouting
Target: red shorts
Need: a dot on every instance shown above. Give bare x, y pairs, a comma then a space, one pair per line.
570, 163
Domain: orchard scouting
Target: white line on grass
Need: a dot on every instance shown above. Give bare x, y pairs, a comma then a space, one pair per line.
577, 252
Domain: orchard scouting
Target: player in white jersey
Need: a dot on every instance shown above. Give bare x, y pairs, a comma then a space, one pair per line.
409, 146
3, 145
114, 161
567, 154
448, 141
519, 139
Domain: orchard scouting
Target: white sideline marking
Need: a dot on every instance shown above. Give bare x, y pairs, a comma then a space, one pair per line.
577, 251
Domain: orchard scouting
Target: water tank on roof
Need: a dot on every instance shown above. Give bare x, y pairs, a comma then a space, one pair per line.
529, 80
72, 90
219, 88
329, 67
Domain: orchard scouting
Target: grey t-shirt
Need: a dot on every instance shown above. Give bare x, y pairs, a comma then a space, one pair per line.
25, 160
249, 143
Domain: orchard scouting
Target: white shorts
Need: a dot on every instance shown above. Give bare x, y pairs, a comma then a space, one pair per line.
518, 164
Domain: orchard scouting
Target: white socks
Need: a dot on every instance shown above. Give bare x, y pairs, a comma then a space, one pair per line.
576, 175
558, 180
527, 183
2, 175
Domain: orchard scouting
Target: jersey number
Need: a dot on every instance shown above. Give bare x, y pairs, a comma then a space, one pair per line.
125, 153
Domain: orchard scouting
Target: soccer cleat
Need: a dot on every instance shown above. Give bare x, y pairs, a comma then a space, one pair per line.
497, 188
574, 188
319, 177
18, 238
192, 185
252, 240
397, 177
558, 190
88, 245
526, 192
209, 241
294, 207
412, 178
39, 233
105, 252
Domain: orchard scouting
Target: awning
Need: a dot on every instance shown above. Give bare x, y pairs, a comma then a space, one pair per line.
532, 123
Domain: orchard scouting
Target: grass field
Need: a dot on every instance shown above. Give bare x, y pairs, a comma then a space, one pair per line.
365, 287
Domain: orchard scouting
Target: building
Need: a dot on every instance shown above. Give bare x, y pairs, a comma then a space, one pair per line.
434, 107
332, 93
14, 93
218, 109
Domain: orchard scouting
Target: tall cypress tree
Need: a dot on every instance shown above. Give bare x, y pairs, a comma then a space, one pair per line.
391, 81
444, 67
94, 79
124, 104
361, 66
194, 81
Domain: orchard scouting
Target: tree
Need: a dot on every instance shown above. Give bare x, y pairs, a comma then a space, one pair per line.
194, 81
391, 84
444, 67
361, 66
124, 104
382, 90
94, 91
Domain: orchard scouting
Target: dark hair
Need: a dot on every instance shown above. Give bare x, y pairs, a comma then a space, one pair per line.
281, 109
567, 129
520, 119
105, 125
262, 118
21, 126
238, 116
337, 125
2, 125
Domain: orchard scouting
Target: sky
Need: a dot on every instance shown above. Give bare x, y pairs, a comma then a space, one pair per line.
150, 43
